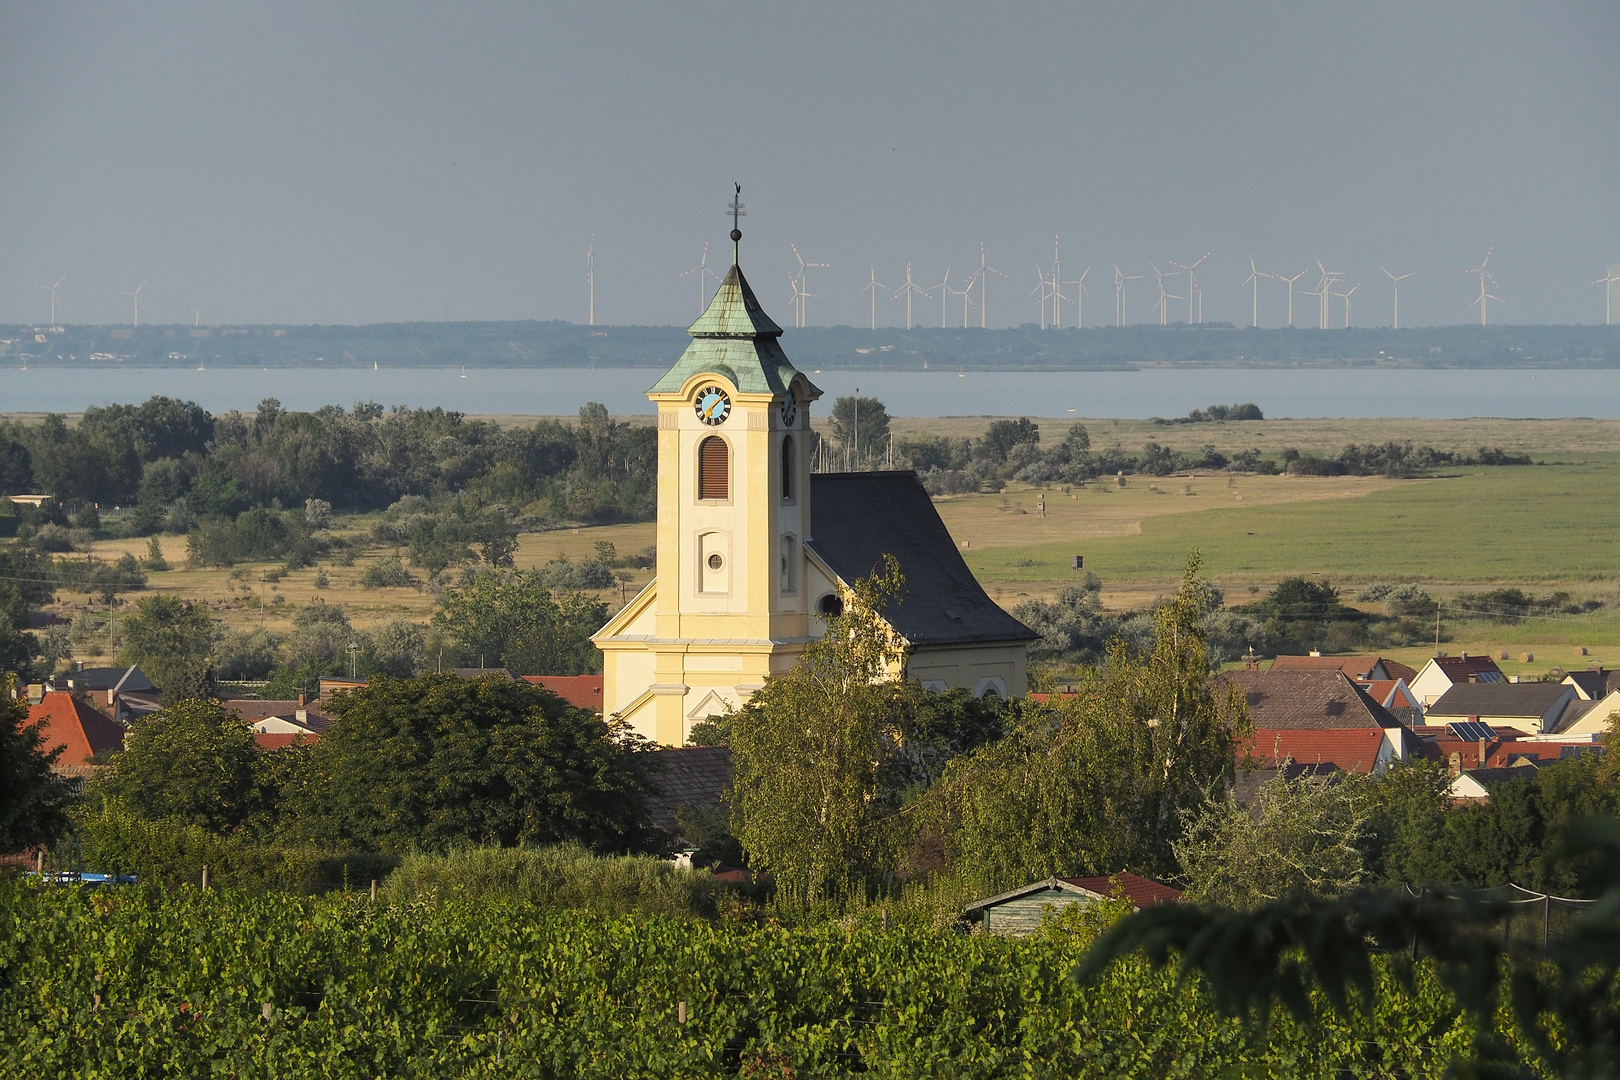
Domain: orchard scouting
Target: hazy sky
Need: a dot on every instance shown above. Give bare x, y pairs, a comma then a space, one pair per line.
349, 163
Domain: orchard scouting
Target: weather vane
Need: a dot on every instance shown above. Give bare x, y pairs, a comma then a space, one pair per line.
737, 213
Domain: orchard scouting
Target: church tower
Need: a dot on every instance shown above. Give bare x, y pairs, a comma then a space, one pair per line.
729, 605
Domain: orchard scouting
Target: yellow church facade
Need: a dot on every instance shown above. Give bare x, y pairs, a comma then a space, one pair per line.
745, 571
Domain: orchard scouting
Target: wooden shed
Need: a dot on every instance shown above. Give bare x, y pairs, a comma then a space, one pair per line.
1022, 910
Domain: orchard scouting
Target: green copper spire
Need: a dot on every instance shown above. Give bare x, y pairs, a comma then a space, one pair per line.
735, 338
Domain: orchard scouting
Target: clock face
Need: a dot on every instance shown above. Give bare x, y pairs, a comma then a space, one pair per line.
790, 411
713, 405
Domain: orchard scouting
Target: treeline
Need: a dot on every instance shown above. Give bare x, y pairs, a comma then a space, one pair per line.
1012, 450
174, 464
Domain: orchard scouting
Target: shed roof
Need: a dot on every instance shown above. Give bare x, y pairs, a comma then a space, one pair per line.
857, 518
1321, 700
1140, 891
82, 732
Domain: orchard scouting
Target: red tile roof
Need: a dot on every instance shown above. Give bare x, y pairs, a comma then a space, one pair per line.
78, 729
585, 691
1322, 700
1347, 749
1140, 891
279, 740
1381, 691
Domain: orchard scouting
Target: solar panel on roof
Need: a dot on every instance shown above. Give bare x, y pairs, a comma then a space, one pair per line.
1471, 731
1490, 677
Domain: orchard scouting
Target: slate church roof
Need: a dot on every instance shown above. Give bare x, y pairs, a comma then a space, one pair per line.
857, 518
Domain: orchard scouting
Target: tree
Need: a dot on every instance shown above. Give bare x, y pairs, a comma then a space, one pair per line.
438, 760
860, 418
808, 751
1103, 780
34, 801
190, 762
171, 640
1560, 999
510, 619
1300, 837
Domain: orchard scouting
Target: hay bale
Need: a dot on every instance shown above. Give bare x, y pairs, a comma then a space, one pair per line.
1527, 658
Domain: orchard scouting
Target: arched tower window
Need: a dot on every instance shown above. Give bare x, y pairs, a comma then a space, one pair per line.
714, 469
787, 468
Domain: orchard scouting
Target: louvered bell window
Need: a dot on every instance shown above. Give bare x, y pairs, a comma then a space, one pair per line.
714, 469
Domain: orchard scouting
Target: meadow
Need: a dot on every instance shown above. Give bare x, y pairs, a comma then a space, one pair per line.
1542, 527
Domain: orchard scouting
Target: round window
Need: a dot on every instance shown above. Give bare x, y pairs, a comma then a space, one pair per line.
831, 604
716, 562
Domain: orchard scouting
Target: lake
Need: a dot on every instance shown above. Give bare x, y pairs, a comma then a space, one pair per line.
1280, 392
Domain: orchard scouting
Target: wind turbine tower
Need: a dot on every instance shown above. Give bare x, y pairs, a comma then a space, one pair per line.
1485, 282
1346, 297
1120, 278
1163, 306
52, 290
1080, 298
1254, 285
590, 280
702, 271
1395, 281
1607, 281
873, 289
804, 282
1290, 281
945, 294
1324, 293
1193, 295
908, 290
135, 298
982, 273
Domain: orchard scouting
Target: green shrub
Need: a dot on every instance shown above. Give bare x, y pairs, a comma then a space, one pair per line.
554, 877
387, 573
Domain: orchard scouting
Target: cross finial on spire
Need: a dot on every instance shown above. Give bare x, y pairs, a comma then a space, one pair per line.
736, 209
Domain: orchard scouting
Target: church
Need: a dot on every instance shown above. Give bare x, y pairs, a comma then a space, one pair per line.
755, 549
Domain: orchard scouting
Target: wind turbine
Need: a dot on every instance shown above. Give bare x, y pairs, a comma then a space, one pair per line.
1192, 287
1120, 278
873, 289
136, 298
1485, 280
1395, 281
1324, 291
1057, 286
702, 270
1346, 296
1254, 285
945, 294
1080, 299
967, 300
909, 290
1162, 307
804, 281
52, 290
590, 278
1291, 281
1047, 290
982, 274
1607, 281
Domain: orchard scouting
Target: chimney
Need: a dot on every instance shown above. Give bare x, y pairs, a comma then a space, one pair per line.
1455, 763
1316, 652
300, 701
1482, 753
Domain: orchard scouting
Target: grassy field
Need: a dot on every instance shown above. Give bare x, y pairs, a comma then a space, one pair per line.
1539, 527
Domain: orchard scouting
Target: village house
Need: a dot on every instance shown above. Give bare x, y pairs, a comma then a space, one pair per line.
81, 732
1441, 673
1358, 668
1318, 717
1535, 707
